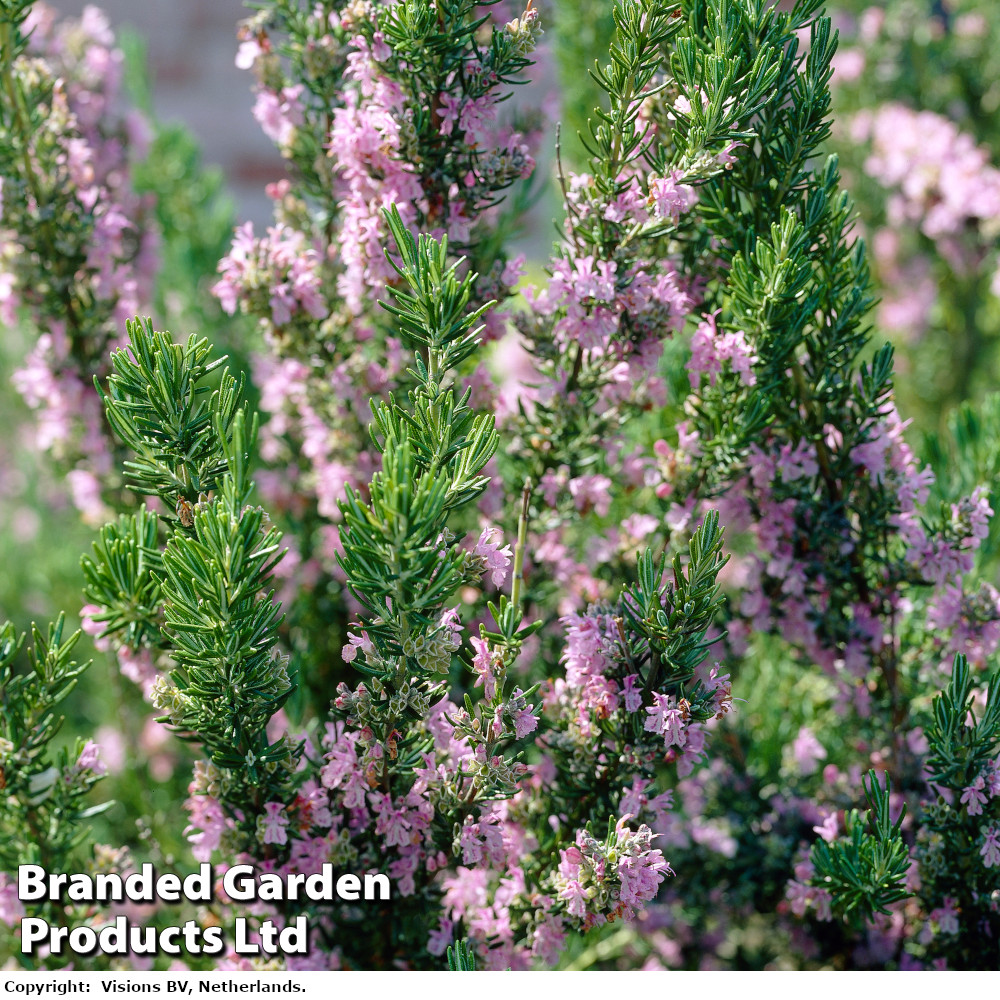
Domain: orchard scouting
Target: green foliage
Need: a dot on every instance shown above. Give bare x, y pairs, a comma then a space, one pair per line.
618, 137
183, 443
123, 578
43, 791
13, 14
219, 623
433, 456
451, 53
22, 116
401, 558
434, 313
723, 80
194, 210
660, 57
959, 750
798, 287
964, 741
669, 620
864, 871
436, 39
223, 626
37, 579
193, 586
440, 41
461, 957
581, 31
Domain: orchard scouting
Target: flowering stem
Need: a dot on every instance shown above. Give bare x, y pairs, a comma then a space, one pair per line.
829, 478
574, 376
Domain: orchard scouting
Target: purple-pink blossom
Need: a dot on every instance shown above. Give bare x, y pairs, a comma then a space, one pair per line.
90, 759
496, 558
990, 849
272, 826
666, 719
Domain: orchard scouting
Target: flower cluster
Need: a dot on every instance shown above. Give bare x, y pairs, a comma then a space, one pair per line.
945, 182
600, 882
78, 244
920, 149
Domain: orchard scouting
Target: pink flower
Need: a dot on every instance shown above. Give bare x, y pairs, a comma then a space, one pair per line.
473, 116
484, 663
722, 688
86, 490
342, 761
551, 485
465, 891
90, 760
525, 721
710, 347
441, 937
576, 898
399, 822
208, 823
641, 877
380, 48
667, 720
355, 644
628, 205
92, 627
570, 860
272, 827
591, 492
725, 156
633, 695
279, 113
807, 751
828, 828
991, 777
472, 847
113, 750
797, 462
137, 665
946, 917
247, 53
670, 199
635, 801
991, 846
548, 940
973, 796
591, 649
641, 868
848, 65
497, 559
